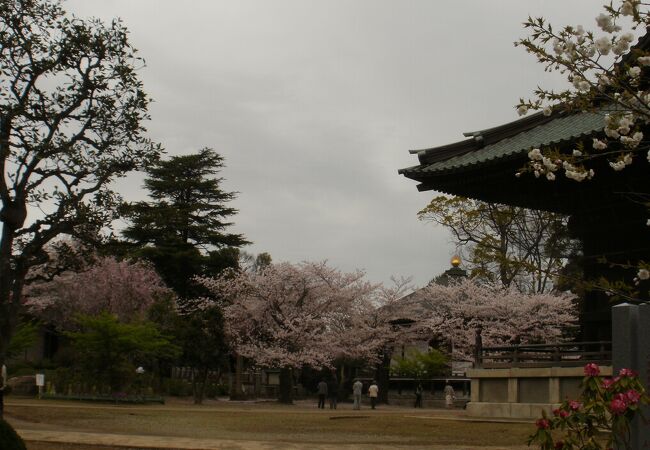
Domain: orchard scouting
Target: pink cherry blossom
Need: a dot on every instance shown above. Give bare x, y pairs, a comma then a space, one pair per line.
124, 288
306, 314
505, 316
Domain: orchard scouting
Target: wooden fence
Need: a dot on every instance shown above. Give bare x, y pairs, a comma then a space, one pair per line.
570, 354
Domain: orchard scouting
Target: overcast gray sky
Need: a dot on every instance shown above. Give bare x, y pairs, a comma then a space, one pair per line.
315, 104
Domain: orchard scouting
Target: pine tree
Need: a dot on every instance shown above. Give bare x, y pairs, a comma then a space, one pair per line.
183, 229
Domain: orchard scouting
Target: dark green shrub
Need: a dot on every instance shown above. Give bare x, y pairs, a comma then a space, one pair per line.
177, 387
9, 439
108, 349
20, 368
213, 390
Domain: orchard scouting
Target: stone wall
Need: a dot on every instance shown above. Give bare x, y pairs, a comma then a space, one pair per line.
523, 392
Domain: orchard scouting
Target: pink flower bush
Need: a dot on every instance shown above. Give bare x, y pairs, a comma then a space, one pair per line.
608, 382
592, 370
606, 405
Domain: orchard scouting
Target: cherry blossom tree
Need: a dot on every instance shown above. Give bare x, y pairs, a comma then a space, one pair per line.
124, 288
606, 72
290, 316
505, 315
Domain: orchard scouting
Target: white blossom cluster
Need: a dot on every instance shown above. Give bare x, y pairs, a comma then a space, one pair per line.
542, 165
591, 61
642, 275
605, 76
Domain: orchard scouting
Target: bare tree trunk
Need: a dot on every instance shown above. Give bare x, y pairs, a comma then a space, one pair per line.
286, 386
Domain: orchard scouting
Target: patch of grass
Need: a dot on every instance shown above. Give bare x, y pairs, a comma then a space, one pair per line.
53, 446
274, 423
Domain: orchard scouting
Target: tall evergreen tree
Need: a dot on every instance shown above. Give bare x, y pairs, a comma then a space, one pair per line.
183, 229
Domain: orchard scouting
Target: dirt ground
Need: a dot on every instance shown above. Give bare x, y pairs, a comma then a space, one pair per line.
258, 425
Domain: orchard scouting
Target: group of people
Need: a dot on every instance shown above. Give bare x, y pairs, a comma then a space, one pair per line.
325, 390
448, 393
331, 390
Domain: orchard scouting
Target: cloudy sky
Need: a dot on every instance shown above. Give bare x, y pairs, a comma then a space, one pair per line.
315, 104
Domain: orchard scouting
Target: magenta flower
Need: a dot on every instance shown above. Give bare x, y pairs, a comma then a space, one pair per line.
607, 383
575, 405
560, 413
627, 373
617, 406
632, 396
542, 424
592, 370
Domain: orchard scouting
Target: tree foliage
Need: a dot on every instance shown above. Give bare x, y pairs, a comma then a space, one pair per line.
420, 365
205, 349
109, 351
505, 244
23, 339
183, 229
71, 114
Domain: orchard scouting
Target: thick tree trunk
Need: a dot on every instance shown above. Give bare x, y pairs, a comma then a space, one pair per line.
236, 390
199, 388
382, 376
12, 217
286, 386
343, 394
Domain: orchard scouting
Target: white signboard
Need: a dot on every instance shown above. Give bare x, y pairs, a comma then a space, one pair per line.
40, 379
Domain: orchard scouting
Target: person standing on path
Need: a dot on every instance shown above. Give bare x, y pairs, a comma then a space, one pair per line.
373, 392
418, 396
322, 393
357, 387
333, 390
450, 395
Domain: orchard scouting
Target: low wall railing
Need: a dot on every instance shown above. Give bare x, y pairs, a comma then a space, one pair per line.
570, 354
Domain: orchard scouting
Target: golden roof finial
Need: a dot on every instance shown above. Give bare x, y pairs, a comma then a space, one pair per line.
455, 261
